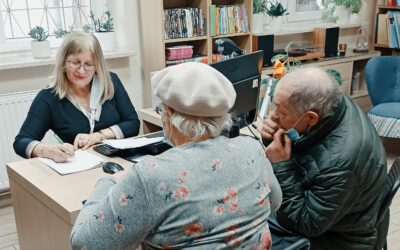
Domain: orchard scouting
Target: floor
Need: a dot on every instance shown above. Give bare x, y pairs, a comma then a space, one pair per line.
9, 238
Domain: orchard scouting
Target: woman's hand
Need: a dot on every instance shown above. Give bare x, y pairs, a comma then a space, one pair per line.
84, 141
56, 152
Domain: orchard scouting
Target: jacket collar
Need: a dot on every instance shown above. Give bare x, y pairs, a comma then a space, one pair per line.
324, 128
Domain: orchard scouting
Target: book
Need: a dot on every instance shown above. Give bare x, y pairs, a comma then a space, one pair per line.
212, 20
392, 31
382, 29
81, 161
397, 26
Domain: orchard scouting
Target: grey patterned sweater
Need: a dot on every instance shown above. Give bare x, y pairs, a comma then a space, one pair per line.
212, 194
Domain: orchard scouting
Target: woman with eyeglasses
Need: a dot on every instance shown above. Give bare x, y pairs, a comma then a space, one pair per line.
84, 105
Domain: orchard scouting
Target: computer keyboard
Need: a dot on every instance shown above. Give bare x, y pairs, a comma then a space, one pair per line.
106, 149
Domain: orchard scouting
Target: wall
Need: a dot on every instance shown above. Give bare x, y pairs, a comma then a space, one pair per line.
348, 35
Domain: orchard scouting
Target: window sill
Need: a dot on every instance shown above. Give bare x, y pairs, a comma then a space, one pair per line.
24, 59
296, 29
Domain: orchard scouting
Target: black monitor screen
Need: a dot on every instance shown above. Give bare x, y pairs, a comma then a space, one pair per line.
245, 74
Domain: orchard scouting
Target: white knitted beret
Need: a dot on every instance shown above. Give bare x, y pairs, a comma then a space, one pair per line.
194, 89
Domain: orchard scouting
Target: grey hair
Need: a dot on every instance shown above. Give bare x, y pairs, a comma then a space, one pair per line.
313, 90
196, 126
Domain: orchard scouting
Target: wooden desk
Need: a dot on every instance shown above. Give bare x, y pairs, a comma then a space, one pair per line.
47, 204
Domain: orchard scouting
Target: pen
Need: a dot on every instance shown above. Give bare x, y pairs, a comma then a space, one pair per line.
58, 139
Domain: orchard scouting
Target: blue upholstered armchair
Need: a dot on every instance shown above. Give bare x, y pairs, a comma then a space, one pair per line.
382, 75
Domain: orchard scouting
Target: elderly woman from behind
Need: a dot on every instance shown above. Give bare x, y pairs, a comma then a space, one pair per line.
84, 105
208, 191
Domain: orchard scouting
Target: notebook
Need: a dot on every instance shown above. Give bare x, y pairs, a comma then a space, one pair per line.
81, 161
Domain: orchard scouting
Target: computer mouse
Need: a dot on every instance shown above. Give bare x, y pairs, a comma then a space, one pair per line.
112, 167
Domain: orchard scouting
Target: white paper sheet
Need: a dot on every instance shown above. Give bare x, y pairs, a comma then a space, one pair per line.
132, 142
81, 161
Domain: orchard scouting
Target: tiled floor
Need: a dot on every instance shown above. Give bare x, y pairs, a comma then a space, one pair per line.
9, 239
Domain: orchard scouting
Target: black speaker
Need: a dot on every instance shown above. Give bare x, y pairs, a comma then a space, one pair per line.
327, 38
265, 43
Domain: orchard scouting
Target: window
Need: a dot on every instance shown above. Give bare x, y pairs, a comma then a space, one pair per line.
17, 17
304, 10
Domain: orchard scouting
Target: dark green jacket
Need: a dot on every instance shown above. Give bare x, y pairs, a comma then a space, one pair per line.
331, 185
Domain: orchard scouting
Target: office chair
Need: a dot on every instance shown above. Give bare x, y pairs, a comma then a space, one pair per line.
382, 75
392, 184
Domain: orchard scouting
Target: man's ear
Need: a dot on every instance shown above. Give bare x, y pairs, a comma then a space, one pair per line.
170, 111
312, 118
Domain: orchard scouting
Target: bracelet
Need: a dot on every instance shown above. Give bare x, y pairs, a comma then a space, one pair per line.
103, 136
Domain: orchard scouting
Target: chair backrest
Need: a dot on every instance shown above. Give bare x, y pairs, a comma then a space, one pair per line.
382, 75
392, 184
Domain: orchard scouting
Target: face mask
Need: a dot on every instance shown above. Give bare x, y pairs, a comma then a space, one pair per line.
165, 139
292, 133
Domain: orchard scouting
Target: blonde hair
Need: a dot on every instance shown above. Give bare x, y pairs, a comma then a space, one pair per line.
77, 42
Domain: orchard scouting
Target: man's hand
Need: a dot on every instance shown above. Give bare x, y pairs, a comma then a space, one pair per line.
280, 149
269, 128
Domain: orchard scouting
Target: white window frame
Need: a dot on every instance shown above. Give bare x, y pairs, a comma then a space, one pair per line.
21, 44
304, 17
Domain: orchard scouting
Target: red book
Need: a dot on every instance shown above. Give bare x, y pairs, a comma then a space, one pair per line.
391, 2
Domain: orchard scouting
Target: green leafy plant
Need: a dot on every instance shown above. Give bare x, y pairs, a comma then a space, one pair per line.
38, 33
330, 6
102, 24
289, 65
259, 6
276, 9
60, 32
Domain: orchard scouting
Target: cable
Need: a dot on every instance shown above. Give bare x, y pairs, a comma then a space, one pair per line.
255, 136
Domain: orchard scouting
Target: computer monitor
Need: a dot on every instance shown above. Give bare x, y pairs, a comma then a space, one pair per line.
245, 74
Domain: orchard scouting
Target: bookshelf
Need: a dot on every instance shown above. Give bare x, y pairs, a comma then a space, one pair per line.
384, 48
154, 43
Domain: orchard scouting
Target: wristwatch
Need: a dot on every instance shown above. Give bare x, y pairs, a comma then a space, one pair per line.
103, 136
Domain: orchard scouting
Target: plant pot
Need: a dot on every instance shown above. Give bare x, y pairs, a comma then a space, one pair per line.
276, 22
258, 22
343, 14
40, 49
106, 40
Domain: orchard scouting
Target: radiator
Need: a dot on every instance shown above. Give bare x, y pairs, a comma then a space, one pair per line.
13, 110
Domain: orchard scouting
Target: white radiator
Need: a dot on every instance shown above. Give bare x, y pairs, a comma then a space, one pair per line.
13, 110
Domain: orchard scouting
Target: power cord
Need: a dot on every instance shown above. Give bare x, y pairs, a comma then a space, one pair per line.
255, 136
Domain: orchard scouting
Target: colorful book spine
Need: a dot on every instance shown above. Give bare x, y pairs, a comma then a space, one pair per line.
392, 31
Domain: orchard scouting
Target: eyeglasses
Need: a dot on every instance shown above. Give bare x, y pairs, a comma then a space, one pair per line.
77, 65
159, 110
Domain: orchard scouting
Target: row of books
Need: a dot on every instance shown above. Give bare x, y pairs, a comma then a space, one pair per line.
389, 2
183, 23
388, 29
228, 19
195, 58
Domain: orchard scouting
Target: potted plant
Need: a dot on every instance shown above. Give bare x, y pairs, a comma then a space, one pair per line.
40, 46
102, 27
259, 10
275, 10
60, 32
340, 10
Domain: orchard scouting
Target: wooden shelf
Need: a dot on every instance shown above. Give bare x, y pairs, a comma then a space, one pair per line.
179, 40
359, 93
231, 35
388, 7
383, 46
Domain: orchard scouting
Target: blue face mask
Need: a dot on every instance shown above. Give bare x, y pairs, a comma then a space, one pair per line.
292, 133
165, 139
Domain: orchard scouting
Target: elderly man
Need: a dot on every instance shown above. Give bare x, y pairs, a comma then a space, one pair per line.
329, 162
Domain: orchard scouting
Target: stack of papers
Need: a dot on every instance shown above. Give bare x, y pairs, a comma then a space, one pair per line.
132, 142
81, 161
